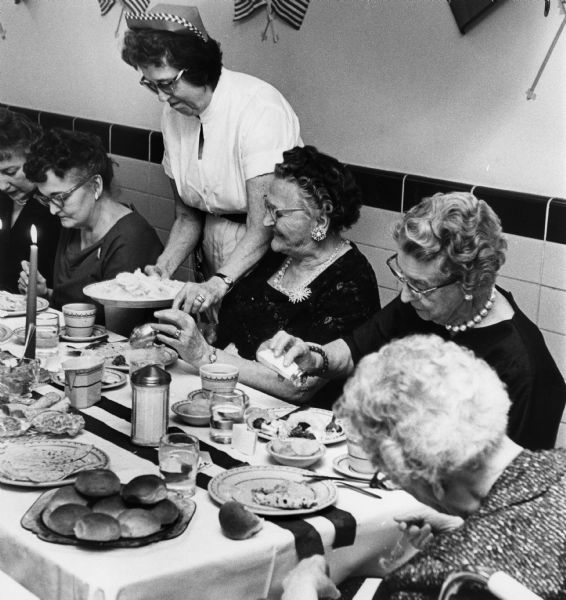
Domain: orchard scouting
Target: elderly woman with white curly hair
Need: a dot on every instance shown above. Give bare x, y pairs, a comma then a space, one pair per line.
433, 417
450, 248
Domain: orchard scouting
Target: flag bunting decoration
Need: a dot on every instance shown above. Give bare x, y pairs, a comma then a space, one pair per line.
291, 11
138, 6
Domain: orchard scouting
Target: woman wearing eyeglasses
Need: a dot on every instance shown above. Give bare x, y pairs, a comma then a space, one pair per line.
18, 209
449, 250
223, 132
318, 285
101, 237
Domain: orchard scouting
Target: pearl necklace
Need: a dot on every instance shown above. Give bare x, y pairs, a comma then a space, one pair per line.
477, 318
302, 292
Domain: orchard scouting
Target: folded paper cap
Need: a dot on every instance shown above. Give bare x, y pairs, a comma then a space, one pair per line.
184, 20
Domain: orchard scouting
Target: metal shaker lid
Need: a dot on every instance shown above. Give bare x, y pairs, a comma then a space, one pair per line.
151, 376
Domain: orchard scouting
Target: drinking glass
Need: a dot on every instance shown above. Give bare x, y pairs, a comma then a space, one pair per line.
226, 408
178, 462
140, 357
47, 334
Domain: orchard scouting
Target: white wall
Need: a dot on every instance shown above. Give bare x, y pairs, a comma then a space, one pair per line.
384, 83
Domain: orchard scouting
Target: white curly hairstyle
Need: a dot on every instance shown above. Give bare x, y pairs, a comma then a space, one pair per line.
425, 408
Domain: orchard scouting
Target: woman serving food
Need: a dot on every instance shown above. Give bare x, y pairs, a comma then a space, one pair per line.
450, 249
318, 285
223, 133
101, 237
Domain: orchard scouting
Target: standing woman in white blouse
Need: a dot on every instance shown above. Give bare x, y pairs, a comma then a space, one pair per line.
223, 133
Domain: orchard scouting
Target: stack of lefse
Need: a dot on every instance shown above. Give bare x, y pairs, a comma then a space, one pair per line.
97, 508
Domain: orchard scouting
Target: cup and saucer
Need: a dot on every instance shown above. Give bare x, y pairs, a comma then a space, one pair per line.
99, 332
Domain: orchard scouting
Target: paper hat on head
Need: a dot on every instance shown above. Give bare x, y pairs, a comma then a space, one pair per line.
184, 20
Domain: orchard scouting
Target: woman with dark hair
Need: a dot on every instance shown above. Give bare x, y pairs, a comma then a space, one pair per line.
18, 209
318, 285
223, 132
101, 237
450, 248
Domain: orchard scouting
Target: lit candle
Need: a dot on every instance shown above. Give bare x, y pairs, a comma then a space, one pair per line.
31, 306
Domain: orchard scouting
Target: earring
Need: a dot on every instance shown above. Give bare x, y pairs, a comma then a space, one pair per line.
318, 233
468, 297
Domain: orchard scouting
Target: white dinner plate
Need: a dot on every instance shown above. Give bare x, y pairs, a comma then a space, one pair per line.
14, 305
46, 461
111, 378
99, 332
320, 414
109, 351
237, 484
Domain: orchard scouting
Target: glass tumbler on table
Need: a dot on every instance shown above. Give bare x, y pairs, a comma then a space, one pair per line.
47, 334
178, 462
226, 409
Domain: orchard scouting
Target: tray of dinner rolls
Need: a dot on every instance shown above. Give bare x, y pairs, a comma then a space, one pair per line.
99, 511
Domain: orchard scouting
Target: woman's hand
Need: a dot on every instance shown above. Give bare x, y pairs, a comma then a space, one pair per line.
180, 331
155, 271
293, 349
419, 525
309, 580
198, 297
24, 279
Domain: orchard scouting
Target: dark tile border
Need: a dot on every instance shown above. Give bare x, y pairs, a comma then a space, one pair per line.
521, 214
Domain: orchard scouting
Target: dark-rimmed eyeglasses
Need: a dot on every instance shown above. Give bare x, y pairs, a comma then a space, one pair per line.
58, 200
419, 293
276, 213
167, 87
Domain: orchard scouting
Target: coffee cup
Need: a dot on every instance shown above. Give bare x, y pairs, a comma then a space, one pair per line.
83, 380
358, 459
79, 319
218, 377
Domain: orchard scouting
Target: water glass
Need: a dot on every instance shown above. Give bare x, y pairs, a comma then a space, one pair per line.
47, 334
178, 462
140, 357
226, 408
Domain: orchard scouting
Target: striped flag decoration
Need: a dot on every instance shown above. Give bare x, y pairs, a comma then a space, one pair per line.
105, 6
243, 8
132, 5
293, 11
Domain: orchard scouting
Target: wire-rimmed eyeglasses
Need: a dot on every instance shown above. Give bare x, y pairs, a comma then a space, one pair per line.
167, 87
58, 200
276, 213
419, 293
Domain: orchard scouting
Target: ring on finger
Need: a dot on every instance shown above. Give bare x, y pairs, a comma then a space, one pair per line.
177, 334
200, 298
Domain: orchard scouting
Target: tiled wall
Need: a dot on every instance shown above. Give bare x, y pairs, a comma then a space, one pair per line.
535, 271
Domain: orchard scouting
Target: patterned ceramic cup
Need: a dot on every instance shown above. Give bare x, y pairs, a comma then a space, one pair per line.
79, 319
218, 377
357, 457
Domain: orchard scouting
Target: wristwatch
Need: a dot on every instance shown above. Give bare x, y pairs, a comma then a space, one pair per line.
227, 280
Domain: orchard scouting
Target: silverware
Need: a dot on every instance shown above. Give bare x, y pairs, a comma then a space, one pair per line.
332, 478
298, 409
357, 489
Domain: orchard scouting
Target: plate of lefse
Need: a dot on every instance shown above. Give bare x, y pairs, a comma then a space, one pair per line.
134, 290
116, 355
310, 423
273, 490
15, 304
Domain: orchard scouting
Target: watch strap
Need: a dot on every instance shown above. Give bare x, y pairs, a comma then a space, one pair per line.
226, 279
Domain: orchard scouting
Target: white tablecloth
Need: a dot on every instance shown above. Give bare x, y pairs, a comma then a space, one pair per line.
200, 564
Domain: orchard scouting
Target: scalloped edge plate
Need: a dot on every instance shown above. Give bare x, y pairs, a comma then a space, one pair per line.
111, 378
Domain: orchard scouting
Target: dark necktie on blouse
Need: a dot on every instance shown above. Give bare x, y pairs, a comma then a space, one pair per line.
200, 142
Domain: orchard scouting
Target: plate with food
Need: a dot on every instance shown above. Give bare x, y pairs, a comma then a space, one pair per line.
272, 490
45, 462
111, 378
5, 333
99, 332
14, 305
98, 511
134, 290
116, 354
309, 423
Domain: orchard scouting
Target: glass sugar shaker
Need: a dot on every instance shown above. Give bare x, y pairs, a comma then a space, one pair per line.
150, 405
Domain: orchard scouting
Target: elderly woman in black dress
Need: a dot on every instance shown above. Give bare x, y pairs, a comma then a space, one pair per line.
317, 285
450, 248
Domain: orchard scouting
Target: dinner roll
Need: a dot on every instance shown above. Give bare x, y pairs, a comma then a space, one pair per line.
62, 520
111, 505
97, 483
138, 522
145, 489
237, 522
165, 511
97, 527
64, 495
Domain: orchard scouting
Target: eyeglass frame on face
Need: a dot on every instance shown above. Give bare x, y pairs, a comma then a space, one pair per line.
58, 200
414, 290
167, 87
276, 213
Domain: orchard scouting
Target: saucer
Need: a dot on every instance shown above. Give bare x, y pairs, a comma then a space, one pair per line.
99, 332
341, 464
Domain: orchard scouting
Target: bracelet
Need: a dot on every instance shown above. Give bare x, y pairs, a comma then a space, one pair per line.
212, 355
319, 350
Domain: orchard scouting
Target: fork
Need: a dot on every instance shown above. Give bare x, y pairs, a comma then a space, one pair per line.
357, 489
